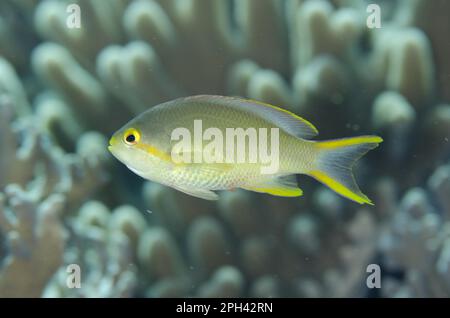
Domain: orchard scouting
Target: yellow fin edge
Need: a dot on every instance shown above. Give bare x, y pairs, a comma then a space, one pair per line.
332, 144
340, 188
285, 111
281, 192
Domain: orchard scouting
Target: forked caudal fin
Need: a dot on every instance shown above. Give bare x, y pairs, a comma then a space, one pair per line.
333, 165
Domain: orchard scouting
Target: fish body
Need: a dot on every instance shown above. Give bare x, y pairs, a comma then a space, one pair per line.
146, 145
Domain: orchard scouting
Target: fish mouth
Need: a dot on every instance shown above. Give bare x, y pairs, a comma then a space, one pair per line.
112, 143
110, 147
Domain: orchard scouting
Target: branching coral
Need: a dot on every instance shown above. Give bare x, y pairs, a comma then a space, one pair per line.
103, 245
35, 239
218, 247
41, 183
417, 241
31, 160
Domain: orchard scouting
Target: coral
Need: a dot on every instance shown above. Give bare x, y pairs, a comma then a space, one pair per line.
29, 158
226, 282
103, 245
238, 248
395, 117
431, 18
35, 237
41, 183
417, 241
15, 22
86, 71
10, 85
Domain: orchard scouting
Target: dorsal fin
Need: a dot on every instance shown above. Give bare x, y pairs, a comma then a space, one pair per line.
284, 119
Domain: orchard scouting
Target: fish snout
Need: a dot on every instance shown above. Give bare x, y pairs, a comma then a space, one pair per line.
112, 142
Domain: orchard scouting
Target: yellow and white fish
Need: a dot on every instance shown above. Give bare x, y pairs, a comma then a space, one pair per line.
145, 145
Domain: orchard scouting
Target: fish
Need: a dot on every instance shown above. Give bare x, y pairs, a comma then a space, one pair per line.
149, 147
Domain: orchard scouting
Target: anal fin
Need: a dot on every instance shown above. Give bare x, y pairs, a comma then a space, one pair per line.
199, 193
284, 186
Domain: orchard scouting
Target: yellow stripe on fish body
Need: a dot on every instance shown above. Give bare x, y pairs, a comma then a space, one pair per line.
328, 161
154, 151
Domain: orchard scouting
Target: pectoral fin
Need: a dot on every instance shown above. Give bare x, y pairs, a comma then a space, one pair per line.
285, 186
199, 193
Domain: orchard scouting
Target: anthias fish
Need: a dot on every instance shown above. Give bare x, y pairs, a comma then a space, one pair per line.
153, 145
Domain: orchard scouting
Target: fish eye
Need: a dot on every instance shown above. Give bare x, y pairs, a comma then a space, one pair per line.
131, 137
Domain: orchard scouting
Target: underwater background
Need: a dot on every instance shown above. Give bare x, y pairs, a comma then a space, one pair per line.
64, 200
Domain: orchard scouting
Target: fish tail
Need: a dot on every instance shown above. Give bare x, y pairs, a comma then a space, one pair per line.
334, 162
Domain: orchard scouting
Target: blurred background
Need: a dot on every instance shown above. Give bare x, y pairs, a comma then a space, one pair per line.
73, 72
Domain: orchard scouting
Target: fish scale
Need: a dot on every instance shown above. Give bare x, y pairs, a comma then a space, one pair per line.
149, 151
